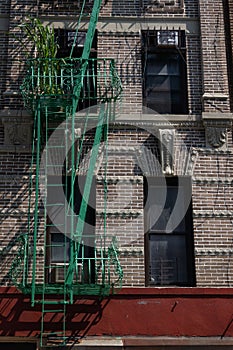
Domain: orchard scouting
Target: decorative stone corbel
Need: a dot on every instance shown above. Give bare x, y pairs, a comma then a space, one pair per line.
216, 136
216, 126
166, 138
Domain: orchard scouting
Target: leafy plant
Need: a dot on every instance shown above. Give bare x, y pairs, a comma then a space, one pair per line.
45, 68
42, 38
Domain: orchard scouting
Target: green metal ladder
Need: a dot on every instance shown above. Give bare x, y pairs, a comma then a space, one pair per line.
49, 111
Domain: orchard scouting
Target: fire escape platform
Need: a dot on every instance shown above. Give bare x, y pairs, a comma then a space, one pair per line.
53, 82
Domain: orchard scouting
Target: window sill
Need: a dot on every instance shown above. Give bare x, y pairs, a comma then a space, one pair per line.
153, 117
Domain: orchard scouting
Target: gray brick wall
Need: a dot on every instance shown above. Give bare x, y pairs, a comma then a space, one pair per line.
212, 168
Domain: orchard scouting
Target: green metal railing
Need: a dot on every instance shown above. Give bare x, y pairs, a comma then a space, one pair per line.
97, 274
55, 82
18, 268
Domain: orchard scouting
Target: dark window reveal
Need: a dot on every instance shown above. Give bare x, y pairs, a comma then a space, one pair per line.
65, 40
164, 72
169, 235
59, 245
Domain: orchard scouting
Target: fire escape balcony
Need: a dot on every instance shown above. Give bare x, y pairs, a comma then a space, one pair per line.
63, 81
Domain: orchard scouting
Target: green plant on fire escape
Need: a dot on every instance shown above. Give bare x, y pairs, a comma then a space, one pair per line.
41, 40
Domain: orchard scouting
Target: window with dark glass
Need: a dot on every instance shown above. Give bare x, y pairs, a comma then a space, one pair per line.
66, 38
169, 234
164, 71
59, 244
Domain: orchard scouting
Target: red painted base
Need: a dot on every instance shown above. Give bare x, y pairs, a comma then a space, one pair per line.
189, 312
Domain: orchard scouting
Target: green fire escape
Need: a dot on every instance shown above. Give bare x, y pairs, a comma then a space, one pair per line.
53, 90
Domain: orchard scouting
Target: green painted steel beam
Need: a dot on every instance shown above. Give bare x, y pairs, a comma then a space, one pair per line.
77, 235
34, 263
87, 49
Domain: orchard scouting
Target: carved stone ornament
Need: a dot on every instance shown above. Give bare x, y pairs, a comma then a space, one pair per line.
216, 126
163, 5
216, 137
166, 138
17, 133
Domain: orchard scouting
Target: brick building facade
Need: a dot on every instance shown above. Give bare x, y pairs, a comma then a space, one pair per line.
172, 135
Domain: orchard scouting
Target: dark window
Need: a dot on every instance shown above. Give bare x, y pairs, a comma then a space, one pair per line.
169, 236
164, 72
59, 245
65, 40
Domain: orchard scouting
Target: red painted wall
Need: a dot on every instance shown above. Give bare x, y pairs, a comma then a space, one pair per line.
134, 311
